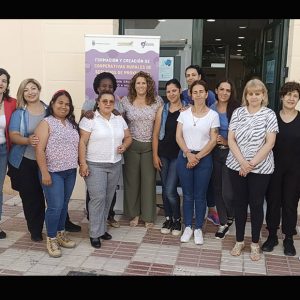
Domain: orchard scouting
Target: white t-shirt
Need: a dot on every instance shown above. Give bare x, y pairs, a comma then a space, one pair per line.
106, 136
196, 137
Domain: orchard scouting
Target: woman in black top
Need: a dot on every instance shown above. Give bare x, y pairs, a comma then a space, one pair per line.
165, 152
283, 192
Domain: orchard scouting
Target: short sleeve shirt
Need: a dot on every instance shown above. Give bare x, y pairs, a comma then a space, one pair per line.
250, 134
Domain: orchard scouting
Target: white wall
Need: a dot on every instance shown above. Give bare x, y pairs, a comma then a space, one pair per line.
51, 51
293, 55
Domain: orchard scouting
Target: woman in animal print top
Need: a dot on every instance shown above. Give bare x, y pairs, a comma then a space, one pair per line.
251, 137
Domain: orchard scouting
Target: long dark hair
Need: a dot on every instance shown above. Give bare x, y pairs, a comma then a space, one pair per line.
6, 93
70, 116
232, 102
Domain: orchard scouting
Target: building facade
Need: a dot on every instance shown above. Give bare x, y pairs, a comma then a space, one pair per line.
53, 52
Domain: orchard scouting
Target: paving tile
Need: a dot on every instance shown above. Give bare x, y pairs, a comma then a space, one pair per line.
116, 249
11, 210
135, 251
136, 268
5, 272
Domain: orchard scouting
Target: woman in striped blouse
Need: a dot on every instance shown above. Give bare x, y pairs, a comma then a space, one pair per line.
251, 137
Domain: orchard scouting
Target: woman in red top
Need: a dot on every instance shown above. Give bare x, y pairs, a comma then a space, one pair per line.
7, 106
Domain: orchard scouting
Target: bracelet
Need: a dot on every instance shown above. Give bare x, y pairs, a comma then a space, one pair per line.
82, 164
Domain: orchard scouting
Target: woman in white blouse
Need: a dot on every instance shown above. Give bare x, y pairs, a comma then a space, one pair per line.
251, 137
103, 139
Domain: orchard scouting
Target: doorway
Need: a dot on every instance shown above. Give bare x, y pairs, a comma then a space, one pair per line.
245, 48
236, 48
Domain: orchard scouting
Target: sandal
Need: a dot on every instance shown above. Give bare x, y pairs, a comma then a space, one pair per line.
149, 224
237, 249
134, 221
255, 252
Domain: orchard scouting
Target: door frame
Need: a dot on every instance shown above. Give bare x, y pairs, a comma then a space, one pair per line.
280, 72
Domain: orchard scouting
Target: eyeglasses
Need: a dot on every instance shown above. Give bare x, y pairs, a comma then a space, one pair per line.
109, 102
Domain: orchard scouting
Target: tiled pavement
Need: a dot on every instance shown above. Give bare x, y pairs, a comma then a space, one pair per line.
133, 251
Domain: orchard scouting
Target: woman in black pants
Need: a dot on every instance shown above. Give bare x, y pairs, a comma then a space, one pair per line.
283, 192
221, 185
251, 137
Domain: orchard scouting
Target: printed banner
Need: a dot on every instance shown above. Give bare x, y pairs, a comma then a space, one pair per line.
121, 55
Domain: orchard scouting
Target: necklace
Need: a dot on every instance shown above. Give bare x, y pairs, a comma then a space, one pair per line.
195, 122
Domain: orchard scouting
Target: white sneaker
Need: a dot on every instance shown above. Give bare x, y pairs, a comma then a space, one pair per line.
198, 237
187, 234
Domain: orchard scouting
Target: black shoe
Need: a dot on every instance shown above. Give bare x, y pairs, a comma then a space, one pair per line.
288, 247
176, 228
37, 238
167, 226
71, 227
95, 242
270, 243
106, 236
222, 231
2, 235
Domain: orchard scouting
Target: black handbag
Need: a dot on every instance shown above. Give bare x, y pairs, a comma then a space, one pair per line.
14, 175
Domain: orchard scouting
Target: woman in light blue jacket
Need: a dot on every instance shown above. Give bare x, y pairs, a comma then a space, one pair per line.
22, 160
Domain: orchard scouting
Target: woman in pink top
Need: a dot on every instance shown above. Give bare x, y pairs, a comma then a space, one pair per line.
139, 109
57, 158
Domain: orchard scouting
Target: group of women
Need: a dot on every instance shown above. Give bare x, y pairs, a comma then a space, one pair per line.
195, 144
233, 145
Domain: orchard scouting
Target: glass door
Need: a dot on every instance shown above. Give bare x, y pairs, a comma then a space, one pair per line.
274, 59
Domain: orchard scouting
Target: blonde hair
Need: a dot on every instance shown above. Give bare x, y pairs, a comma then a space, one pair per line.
21, 102
255, 84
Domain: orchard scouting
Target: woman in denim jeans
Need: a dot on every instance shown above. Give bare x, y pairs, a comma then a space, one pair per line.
57, 158
7, 106
196, 135
165, 152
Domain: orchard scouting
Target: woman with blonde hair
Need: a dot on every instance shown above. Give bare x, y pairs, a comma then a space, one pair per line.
30, 111
251, 137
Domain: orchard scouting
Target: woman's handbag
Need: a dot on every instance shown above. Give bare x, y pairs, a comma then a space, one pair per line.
13, 173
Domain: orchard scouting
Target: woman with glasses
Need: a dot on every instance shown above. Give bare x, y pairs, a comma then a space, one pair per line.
103, 140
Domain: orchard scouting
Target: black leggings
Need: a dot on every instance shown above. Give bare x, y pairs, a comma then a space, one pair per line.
249, 190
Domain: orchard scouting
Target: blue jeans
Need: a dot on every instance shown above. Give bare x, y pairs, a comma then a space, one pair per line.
3, 167
210, 195
194, 183
57, 196
169, 181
